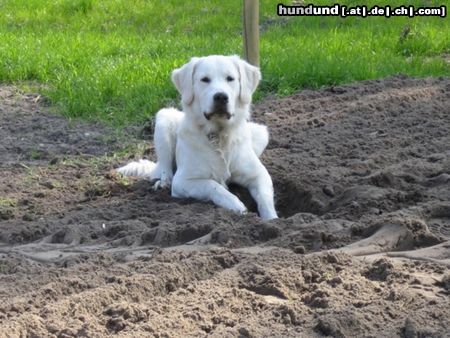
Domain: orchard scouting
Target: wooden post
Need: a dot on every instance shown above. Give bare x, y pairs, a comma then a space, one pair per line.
251, 31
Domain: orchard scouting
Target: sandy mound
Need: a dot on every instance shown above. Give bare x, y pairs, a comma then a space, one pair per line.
362, 182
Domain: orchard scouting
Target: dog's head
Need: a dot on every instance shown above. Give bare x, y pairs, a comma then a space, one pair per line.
217, 89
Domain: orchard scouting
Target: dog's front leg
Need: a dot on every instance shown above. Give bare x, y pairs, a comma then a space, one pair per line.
258, 182
204, 189
261, 189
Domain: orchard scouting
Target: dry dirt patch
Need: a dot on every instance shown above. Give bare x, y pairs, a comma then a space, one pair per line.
362, 182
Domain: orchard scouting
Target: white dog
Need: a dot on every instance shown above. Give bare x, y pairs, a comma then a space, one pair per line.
212, 141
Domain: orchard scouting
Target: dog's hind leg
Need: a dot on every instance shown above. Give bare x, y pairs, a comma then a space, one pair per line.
165, 138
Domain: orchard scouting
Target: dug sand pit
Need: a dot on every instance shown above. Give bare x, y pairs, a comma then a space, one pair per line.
362, 248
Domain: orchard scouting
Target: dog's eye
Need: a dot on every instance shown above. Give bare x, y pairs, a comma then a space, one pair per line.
205, 79
230, 78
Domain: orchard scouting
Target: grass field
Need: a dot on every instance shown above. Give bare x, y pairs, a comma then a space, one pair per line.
111, 60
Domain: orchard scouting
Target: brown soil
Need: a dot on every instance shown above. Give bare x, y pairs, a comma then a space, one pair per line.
362, 248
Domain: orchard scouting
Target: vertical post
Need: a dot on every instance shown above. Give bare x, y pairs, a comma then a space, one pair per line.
251, 31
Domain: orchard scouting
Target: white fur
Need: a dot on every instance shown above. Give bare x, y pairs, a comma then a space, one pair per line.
142, 168
205, 154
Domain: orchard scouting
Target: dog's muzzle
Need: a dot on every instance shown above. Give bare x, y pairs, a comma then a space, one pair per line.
220, 107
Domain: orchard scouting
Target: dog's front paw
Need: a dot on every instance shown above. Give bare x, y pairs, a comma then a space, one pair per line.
240, 207
161, 184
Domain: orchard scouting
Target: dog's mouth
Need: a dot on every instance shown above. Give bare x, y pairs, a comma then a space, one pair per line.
218, 113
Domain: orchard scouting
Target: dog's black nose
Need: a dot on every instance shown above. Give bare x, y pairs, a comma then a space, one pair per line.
220, 98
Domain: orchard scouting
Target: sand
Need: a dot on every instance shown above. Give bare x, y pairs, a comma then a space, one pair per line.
362, 247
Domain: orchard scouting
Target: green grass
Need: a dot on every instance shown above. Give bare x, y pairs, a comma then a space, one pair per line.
110, 60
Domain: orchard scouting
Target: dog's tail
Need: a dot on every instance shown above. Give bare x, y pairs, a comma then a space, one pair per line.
143, 168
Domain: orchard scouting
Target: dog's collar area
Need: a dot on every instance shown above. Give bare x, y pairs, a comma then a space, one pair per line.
213, 137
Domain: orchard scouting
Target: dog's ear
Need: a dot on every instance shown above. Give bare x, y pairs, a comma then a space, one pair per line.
182, 78
249, 77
